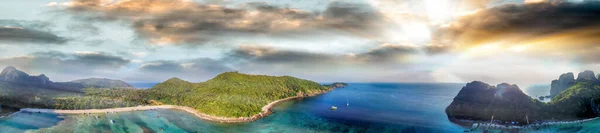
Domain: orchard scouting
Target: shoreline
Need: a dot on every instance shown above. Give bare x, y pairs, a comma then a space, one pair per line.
488, 125
266, 110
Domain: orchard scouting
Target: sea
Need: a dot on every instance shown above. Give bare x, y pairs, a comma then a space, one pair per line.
361, 107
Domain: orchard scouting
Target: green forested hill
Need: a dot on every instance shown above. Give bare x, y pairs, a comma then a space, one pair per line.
229, 94
579, 101
232, 94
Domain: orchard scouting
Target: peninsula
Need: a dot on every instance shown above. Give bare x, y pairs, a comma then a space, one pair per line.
573, 99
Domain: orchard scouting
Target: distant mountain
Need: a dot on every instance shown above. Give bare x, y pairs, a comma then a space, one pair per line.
19, 89
102, 83
11, 74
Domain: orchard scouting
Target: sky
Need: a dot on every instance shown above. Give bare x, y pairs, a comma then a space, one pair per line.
521, 42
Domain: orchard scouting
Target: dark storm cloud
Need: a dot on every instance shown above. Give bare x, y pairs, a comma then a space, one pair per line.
268, 55
179, 21
161, 66
525, 20
357, 17
386, 53
36, 32
551, 29
542, 17
82, 62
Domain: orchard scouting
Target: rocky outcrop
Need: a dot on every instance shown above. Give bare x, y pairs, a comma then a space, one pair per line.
586, 76
563, 83
480, 101
573, 100
11, 74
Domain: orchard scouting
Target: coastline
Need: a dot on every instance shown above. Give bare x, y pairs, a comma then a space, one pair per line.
487, 125
266, 110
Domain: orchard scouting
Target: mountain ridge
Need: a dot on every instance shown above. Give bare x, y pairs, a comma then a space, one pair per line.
19, 89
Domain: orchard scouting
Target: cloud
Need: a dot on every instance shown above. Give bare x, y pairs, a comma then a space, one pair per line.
35, 32
545, 29
65, 65
52, 4
195, 66
249, 55
198, 69
270, 55
188, 22
387, 53
139, 54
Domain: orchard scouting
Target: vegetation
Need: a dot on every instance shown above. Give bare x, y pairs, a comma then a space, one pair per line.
229, 94
232, 94
479, 101
102, 83
30, 96
578, 101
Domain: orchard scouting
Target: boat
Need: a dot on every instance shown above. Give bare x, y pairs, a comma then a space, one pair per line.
333, 108
347, 103
112, 121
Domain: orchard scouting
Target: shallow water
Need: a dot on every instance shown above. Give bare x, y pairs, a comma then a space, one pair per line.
372, 108
21, 122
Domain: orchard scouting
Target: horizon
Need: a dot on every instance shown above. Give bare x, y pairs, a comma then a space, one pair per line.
525, 88
403, 41
300, 66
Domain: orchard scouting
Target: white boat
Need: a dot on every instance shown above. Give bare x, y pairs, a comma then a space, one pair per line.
333, 108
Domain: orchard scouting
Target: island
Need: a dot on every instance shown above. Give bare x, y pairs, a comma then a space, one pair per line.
506, 104
229, 97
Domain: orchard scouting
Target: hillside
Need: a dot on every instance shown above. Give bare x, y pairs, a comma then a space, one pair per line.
19, 89
479, 101
229, 94
505, 102
579, 101
101, 83
233, 94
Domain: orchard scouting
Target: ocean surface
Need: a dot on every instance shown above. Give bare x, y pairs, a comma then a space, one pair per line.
362, 107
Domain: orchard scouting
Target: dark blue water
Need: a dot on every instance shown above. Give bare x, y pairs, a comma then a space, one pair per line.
373, 107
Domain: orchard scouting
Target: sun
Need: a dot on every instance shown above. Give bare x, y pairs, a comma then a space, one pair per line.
416, 32
438, 11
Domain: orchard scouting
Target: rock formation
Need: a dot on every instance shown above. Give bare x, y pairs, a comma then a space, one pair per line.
586, 75
563, 83
11, 74
480, 101
573, 100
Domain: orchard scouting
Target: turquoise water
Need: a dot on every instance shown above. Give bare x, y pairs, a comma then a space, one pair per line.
372, 108
21, 122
